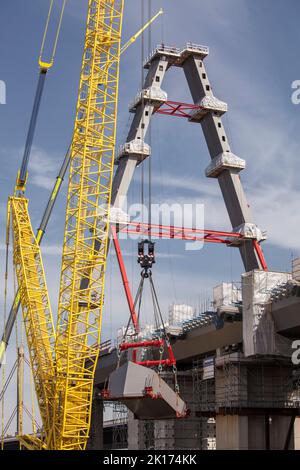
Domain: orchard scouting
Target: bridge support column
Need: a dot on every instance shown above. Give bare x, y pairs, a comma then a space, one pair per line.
95, 441
231, 432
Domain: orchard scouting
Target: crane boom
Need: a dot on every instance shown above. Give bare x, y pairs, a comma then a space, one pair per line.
36, 308
138, 34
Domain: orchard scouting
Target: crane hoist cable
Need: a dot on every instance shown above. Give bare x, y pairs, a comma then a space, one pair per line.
48, 64
44, 66
133, 338
150, 136
143, 179
19, 216
45, 219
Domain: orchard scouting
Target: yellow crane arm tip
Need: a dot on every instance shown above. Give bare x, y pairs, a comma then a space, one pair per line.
45, 65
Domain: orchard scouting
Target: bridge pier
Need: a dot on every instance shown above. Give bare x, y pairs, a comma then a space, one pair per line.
95, 441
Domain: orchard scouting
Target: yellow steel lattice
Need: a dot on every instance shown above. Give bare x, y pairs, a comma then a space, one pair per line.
63, 373
35, 307
86, 228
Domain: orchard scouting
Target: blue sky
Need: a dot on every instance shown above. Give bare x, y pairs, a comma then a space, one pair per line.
254, 58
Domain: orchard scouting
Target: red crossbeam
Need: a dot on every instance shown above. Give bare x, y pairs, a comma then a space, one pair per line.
154, 343
190, 234
180, 233
142, 344
175, 108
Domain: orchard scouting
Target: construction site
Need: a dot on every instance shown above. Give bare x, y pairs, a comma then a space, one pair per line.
130, 357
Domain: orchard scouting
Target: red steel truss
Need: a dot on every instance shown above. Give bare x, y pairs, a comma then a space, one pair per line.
191, 234
180, 233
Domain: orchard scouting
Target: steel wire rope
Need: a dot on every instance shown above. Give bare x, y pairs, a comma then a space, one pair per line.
7, 382
11, 418
32, 395
163, 195
138, 299
36, 424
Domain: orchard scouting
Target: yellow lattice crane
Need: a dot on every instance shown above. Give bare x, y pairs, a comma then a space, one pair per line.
63, 363
22, 174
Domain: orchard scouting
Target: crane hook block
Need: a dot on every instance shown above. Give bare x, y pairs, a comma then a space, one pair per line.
146, 257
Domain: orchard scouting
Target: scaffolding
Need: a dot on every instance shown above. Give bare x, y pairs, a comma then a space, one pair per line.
115, 426
214, 385
204, 401
204, 387
119, 428
186, 433
238, 384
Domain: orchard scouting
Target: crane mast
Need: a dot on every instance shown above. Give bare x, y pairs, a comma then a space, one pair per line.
65, 394
87, 215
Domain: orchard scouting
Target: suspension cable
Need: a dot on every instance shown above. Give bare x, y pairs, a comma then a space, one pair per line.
34, 421
157, 305
165, 336
10, 420
8, 380
140, 294
136, 300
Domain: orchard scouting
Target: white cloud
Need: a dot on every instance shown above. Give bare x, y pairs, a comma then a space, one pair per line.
195, 185
274, 202
43, 168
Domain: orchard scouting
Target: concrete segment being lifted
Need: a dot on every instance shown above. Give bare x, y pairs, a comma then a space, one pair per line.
145, 393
